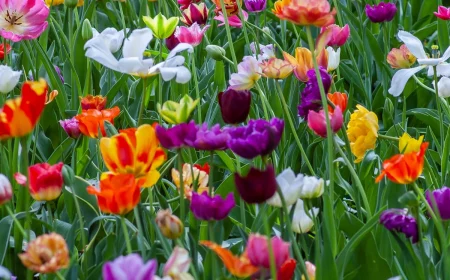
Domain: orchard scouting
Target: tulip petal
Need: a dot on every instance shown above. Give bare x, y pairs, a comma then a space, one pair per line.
136, 43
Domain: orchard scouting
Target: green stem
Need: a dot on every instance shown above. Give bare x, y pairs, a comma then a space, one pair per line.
16, 222
197, 90
423, 85
227, 29
142, 108
262, 96
160, 81
390, 138
125, 234
180, 169
59, 276
80, 218
438, 105
273, 268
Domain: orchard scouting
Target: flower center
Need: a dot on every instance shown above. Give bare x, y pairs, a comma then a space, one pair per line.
12, 18
435, 51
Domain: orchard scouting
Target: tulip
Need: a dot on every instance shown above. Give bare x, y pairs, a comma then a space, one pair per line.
318, 124
407, 144
248, 74
266, 52
233, 20
231, 6
399, 220
48, 253
178, 263
134, 151
382, 12
86, 30
443, 13
303, 62
275, 68
338, 99
334, 58
176, 113
404, 168
46, 181
92, 120
310, 270
185, 3
161, 26
169, 225
235, 105
255, 6
212, 139
6, 192
305, 12
129, 267
438, 200
10, 78
71, 127
257, 186
258, 251
209, 208
401, 58
192, 35
195, 13
338, 35
310, 96
291, 187
23, 20
287, 270
175, 137
192, 174
301, 221
6, 274
97, 102
444, 87
312, 187
4, 50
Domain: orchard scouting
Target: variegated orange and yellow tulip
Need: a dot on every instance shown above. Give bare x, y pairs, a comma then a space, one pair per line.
92, 120
19, 116
134, 151
303, 62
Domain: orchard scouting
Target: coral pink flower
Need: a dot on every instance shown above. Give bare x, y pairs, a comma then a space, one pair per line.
443, 13
233, 21
338, 36
258, 251
22, 19
192, 35
317, 121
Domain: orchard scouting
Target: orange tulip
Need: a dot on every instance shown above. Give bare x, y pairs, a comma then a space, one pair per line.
93, 102
303, 62
237, 266
118, 193
19, 116
305, 12
404, 168
134, 151
92, 120
231, 6
338, 99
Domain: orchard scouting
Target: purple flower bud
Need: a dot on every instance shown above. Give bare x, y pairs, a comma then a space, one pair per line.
258, 138
255, 6
178, 136
381, 12
209, 139
441, 200
58, 71
235, 105
398, 220
209, 208
129, 267
71, 127
310, 96
258, 186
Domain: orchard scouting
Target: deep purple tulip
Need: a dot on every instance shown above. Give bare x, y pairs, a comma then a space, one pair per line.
213, 139
442, 200
310, 96
129, 267
381, 12
235, 105
71, 127
209, 208
398, 220
255, 6
172, 42
258, 138
178, 136
258, 186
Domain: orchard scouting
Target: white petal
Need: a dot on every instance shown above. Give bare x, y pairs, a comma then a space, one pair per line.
400, 79
97, 49
446, 55
132, 65
287, 176
179, 48
182, 74
413, 43
429, 61
137, 42
443, 69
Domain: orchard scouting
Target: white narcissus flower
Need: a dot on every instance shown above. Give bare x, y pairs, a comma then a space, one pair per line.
443, 87
301, 223
312, 187
334, 58
102, 46
247, 75
290, 186
10, 78
415, 46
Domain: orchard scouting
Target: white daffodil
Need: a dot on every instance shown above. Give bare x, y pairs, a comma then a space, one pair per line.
301, 222
415, 46
443, 87
290, 186
102, 46
334, 58
312, 187
10, 78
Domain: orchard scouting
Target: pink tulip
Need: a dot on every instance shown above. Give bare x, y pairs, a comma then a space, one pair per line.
22, 19
338, 35
233, 20
258, 252
317, 121
443, 13
191, 35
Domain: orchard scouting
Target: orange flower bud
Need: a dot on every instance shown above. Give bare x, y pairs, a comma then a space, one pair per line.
92, 120
401, 58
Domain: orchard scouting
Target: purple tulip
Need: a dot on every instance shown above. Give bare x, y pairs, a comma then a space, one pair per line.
255, 6
71, 127
381, 12
209, 139
441, 199
178, 136
258, 186
398, 220
235, 105
172, 42
259, 137
129, 267
209, 208
310, 96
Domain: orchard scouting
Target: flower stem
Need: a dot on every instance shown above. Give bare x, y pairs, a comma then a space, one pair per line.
261, 94
59, 276
390, 138
273, 268
227, 29
16, 222
180, 170
141, 109
125, 234
197, 90
423, 85
160, 81
438, 105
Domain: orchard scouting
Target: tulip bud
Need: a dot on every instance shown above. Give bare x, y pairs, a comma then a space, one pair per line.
176, 113
195, 13
235, 105
86, 30
71, 3
311, 270
276, 68
401, 58
334, 58
5, 189
216, 52
170, 225
161, 26
312, 187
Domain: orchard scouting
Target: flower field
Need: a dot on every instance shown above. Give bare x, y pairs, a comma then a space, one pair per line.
224, 139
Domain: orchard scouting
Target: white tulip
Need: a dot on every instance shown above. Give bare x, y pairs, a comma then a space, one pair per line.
312, 187
443, 87
301, 223
290, 186
334, 58
5, 189
9, 80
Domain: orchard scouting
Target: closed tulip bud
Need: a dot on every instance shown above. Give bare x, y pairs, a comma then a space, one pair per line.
46, 181
317, 121
86, 30
334, 58
216, 52
312, 187
71, 3
258, 186
170, 225
311, 270
235, 105
444, 87
401, 58
161, 26
5, 189
176, 113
